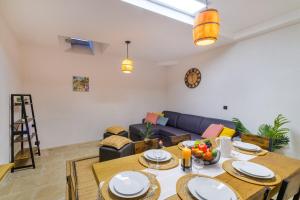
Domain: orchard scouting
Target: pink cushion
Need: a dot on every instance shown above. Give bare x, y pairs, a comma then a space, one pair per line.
213, 130
152, 118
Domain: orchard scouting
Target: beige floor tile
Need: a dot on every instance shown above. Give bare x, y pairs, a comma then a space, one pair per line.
47, 181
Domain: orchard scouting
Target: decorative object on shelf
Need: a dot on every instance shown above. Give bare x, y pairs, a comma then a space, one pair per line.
206, 27
186, 159
276, 132
81, 84
127, 64
148, 132
192, 78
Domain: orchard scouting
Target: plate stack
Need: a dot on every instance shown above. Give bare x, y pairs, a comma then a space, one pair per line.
157, 155
205, 188
129, 184
253, 170
246, 146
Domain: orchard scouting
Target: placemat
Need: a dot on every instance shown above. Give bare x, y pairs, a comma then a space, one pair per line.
183, 191
162, 165
259, 153
152, 194
227, 166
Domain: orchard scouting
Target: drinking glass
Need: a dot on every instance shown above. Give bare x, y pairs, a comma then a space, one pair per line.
198, 164
158, 155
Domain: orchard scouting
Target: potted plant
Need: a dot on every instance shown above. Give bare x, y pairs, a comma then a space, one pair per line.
147, 133
276, 132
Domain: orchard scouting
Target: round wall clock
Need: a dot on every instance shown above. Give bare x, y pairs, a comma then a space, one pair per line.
192, 78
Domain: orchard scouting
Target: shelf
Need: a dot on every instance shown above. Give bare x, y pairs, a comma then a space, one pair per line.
20, 103
25, 154
22, 121
25, 138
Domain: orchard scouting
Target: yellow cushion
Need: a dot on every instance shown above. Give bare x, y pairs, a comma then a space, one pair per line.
4, 169
159, 114
115, 141
115, 129
228, 132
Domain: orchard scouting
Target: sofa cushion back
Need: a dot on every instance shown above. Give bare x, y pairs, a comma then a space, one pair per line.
208, 121
190, 123
172, 116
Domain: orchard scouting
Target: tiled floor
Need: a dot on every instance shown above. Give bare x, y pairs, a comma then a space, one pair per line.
47, 181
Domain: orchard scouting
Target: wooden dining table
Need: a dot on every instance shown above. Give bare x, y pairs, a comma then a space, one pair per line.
280, 164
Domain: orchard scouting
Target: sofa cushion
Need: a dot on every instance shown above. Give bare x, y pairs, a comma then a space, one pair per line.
162, 121
172, 116
151, 118
115, 141
171, 131
115, 129
195, 136
208, 121
190, 123
213, 130
228, 132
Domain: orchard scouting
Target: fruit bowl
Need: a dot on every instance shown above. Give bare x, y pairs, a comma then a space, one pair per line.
214, 160
205, 152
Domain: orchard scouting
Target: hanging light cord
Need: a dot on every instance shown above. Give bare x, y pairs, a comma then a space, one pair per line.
127, 43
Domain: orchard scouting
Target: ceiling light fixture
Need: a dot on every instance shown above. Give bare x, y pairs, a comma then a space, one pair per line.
127, 64
206, 27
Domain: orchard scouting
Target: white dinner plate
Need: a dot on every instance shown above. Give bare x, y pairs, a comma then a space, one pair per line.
188, 143
129, 184
246, 146
210, 189
151, 155
253, 169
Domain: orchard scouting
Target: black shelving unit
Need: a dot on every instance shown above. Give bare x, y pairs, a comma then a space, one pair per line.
23, 132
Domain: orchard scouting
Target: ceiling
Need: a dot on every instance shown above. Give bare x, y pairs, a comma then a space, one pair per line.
154, 37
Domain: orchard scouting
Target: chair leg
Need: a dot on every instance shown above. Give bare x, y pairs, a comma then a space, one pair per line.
296, 197
267, 193
282, 190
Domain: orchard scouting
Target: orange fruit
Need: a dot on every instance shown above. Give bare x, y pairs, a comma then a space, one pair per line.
208, 156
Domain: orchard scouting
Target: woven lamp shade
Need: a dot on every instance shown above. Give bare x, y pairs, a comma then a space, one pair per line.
127, 66
206, 27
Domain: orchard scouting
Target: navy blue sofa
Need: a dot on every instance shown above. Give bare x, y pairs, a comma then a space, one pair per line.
178, 124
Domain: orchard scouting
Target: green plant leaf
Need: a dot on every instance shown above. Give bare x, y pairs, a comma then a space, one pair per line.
239, 126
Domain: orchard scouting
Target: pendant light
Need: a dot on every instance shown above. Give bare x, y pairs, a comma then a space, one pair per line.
127, 64
206, 27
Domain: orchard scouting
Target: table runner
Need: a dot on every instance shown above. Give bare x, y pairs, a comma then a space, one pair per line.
168, 178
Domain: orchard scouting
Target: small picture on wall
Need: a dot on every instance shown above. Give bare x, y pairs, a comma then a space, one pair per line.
81, 84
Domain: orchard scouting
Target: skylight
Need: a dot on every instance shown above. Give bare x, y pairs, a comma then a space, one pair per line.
190, 7
181, 10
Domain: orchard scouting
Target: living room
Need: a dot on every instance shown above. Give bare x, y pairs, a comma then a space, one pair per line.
249, 73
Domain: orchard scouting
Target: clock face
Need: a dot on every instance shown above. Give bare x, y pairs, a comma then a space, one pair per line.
192, 78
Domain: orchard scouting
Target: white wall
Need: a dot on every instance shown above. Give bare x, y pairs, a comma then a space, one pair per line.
66, 117
9, 83
257, 78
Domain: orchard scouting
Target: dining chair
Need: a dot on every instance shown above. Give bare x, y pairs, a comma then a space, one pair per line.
141, 146
263, 142
290, 188
180, 138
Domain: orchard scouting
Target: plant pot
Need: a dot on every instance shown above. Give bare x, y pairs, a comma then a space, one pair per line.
147, 140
